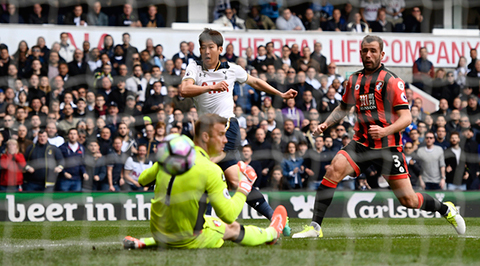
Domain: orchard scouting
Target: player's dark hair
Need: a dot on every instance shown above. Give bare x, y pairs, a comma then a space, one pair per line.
210, 35
373, 38
206, 122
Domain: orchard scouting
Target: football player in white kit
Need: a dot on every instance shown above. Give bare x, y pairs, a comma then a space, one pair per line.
210, 83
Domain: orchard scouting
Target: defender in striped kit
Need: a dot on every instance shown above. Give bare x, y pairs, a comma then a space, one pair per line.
382, 111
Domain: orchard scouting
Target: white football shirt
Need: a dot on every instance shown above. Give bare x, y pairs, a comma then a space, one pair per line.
215, 102
136, 167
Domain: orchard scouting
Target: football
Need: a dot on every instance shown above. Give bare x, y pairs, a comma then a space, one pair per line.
176, 153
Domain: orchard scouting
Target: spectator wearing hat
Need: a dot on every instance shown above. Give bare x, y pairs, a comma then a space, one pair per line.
130, 107
81, 110
113, 119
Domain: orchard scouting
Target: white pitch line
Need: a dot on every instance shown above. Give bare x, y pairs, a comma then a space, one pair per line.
376, 237
48, 245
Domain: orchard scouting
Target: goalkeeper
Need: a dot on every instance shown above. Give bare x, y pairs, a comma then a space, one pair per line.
178, 218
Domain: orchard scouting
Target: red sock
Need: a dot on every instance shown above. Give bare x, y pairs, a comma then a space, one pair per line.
420, 200
329, 183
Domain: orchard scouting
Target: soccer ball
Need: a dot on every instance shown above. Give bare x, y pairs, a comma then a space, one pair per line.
176, 153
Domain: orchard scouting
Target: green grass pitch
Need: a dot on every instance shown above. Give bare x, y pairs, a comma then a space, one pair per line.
345, 242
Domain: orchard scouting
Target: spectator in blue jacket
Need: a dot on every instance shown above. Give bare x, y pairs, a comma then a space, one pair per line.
44, 162
292, 166
70, 179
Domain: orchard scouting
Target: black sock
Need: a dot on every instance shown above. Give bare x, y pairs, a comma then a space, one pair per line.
256, 200
323, 198
433, 205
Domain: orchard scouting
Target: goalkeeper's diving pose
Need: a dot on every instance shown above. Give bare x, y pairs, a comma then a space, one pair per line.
178, 218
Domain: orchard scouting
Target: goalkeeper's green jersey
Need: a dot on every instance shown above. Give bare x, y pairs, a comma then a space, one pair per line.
178, 208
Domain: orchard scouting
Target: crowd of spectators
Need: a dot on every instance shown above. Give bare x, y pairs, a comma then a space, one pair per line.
453, 128
82, 15
90, 119
369, 15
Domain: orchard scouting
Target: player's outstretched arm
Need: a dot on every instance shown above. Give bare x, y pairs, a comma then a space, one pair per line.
336, 116
261, 85
404, 119
149, 175
189, 89
227, 208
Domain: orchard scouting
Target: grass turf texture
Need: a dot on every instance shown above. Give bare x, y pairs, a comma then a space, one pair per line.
346, 242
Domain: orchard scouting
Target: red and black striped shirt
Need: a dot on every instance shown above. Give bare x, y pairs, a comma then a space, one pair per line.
377, 98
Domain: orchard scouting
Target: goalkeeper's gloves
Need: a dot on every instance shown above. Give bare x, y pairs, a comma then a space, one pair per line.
247, 177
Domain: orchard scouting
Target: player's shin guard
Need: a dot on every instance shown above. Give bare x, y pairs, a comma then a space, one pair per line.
253, 236
428, 203
323, 198
256, 200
